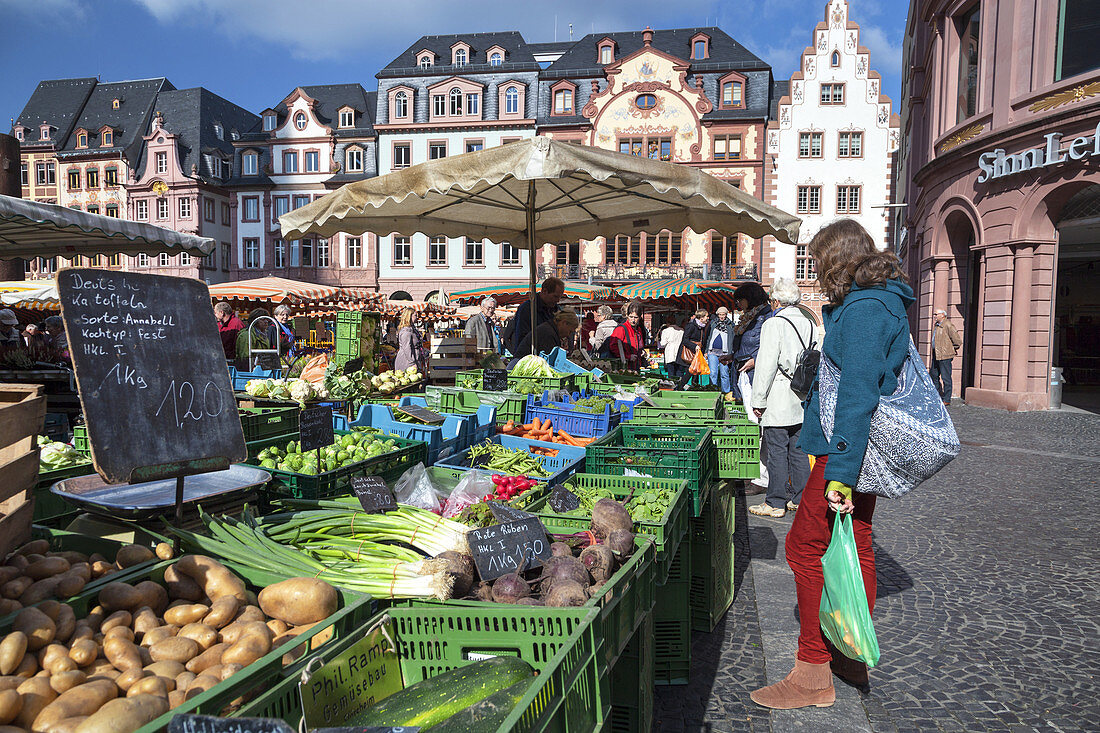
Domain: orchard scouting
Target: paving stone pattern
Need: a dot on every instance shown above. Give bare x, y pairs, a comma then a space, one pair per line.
988, 613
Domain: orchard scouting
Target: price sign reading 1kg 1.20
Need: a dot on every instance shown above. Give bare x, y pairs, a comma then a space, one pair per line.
151, 373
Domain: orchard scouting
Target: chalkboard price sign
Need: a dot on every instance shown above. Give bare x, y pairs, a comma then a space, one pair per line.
214, 724
422, 414
151, 373
504, 548
563, 500
315, 424
373, 494
494, 380
504, 513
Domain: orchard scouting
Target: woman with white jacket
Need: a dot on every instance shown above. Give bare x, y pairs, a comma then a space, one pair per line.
782, 339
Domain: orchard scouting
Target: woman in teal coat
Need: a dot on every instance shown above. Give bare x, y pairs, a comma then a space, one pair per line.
867, 338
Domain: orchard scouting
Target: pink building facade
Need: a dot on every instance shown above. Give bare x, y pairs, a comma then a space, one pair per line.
998, 216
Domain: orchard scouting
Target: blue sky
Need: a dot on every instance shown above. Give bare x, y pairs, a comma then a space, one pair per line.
254, 52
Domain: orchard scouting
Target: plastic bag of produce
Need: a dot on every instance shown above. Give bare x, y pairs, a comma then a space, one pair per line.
415, 489
844, 614
473, 486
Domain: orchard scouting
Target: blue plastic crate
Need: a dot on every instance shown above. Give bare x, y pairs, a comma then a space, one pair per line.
563, 416
480, 426
568, 460
240, 379
559, 360
443, 440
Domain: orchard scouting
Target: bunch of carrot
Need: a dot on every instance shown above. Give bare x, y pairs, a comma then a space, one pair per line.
544, 431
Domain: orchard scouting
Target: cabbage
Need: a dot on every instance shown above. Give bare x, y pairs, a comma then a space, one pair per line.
533, 366
59, 455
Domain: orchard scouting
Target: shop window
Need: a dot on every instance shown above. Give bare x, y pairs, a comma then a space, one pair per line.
402, 252
968, 26
810, 144
848, 199
850, 145
727, 147
809, 199
803, 263
437, 251
832, 93
354, 248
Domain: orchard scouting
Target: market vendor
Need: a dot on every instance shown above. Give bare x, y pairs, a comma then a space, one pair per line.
282, 318
547, 301
551, 334
629, 339
482, 327
9, 329
56, 338
228, 328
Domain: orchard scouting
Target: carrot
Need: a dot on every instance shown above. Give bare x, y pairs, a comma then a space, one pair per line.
536, 424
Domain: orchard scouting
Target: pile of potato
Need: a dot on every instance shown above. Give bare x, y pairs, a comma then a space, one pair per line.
148, 647
33, 574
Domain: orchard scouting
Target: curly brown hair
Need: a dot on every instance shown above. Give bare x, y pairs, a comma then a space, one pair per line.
844, 253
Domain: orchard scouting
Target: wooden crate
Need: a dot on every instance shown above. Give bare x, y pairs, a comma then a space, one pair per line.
22, 413
450, 355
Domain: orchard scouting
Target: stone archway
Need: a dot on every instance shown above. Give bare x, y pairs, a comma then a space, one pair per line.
1075, 327
958, 289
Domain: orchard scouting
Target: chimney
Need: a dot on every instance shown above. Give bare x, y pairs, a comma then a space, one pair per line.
647, 36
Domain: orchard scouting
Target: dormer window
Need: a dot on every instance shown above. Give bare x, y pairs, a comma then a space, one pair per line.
495, 56
269, 121
353, 160
44, 132
700, 46
511, 100
250, 164
19, 133
116, 103
562, 93
836, 58
496, 60
732, 91
218, 131
347, 117
607, 51
300, 120
424, 60
460, 57
82, 139
108, 138
401, 105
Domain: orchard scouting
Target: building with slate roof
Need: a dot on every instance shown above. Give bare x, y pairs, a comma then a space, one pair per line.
179, 180
41, 127
689, 95
446, 95
317, 138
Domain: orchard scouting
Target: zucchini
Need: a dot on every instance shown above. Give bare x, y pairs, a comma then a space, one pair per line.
433, 700
487, 715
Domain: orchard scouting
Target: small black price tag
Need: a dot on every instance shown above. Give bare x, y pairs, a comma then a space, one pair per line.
563, 500
505, 513
373, 494
505, 548
315, 424
212, 724
494, 380
421, 414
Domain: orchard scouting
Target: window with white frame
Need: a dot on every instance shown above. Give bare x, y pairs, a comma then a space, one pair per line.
185, 259
439, 105
437, 149
511, 101
290, 161
347, 118
401, 105
143, 260
850, 145
496, 60
160, 162
249, 164
402, 251
402, 155
24, 175
250, 208
803, 263
472, 146
141, 209
322, 252
509, 255
269, 122
456, 102
607, 54
832, 93
354, 159
474, 252
460, 57
473, 104
300, 120
162, 208
437, 251
251, 253
809, 200
809, 144
280, 254
848, 199
313, 161
185, 207
163, 260
354, 257
425, 61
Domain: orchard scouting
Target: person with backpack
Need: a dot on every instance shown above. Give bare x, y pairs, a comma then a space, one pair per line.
784, 340
867, 340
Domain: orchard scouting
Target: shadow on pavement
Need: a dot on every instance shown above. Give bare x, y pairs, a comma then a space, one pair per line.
891, 576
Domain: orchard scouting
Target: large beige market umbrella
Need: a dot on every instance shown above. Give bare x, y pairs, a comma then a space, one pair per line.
536, 191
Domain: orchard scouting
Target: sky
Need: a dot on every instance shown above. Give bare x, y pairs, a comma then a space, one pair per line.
255, 52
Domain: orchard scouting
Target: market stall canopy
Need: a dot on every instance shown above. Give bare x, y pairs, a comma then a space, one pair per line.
681, 291
577, 192
394, 308
512, 293
32, 229
274, 290
38, 295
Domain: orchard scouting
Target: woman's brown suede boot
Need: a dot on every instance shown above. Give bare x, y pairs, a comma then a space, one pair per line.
806, 685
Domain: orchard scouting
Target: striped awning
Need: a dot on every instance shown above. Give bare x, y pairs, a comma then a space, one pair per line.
35, 295
681, 291
274, 290
513, 293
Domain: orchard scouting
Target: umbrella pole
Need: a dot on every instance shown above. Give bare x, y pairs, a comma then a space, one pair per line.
531, 262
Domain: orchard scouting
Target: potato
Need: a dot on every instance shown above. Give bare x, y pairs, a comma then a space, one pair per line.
65, 622
118, 618
151, 685
208, 658
67, 680
34, 547
40, 590
61, 664
96, 557
184, 680
188, 614
72, 556
146, 657
83, 700
180, 586
10, 682
120, 632
124, 714
68, 725
38, 627
94, 618
164, 551
131, 555
201, 684
101, 568
47, 567
15, 588
250, 613
167, 669
203, 634
11, 702
144, 620
9, 572
19, 561
278, 628
50, 652
122, 654
176, 649
9, 605
215, 579
159, 634
228, 670
152, 595
37, 694
83, 652
222, 611
119, 596
127, 679
28, 667
253, 643
175, 698
12, 649
81, 631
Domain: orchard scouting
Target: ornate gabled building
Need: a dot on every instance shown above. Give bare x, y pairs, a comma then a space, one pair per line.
315, 139
830, 145
446, 95
694, 96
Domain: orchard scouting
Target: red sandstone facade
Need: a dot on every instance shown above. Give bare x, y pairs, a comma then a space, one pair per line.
1000, 174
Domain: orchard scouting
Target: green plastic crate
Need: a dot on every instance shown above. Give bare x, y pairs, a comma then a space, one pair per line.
632, 682
667, 534
738, 447
711, 591
685, 453
259, 423
334, 483
254, 447
49, 508
80, 439
672, 623
466, 401
674, 408
565, 697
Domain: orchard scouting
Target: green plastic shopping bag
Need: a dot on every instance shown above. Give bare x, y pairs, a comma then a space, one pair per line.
844, 615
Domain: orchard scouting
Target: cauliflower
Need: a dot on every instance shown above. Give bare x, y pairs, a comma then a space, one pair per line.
301, 390
258, 387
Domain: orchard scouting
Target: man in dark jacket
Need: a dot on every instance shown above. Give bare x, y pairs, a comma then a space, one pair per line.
228, 328
548, 298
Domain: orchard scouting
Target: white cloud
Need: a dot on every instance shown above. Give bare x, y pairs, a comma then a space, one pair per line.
885, 55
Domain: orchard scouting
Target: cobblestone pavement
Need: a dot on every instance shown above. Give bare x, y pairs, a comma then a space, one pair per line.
988, 613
